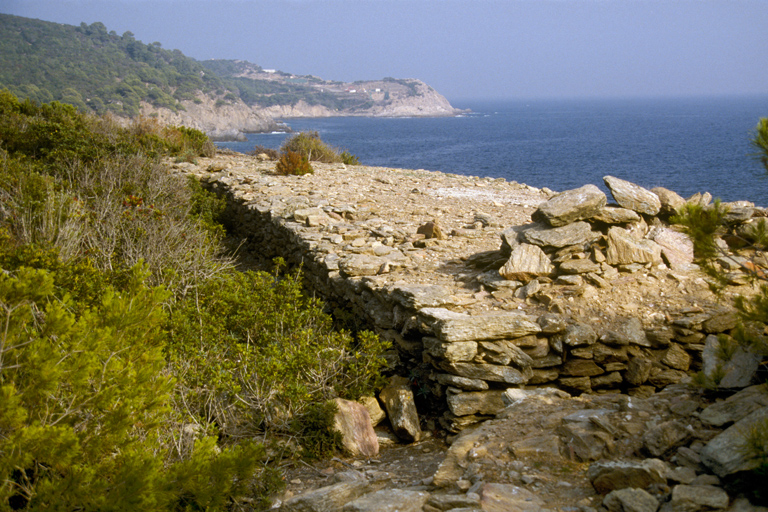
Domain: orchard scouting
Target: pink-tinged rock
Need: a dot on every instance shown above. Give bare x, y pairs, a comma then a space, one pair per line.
676, 247
357, 434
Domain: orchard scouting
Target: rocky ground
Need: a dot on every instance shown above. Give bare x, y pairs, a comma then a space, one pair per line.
546, 450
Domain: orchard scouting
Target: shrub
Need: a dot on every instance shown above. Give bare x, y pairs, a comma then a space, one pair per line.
760, 140
348, 158
293, 163
309, 145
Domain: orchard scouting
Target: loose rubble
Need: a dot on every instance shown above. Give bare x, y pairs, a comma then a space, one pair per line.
506, 301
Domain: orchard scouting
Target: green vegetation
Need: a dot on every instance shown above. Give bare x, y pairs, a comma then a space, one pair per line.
293, 163
137, 367
705, 225
312, 148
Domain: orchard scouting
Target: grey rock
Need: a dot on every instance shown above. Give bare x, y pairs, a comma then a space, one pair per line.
360, 265
692, 498
401, 409
633, 197
450, 326
453, 501
630, 500
446, 379
624, 249
676, 357
326, 499
354, 423
638, 370
626, 331
737, 372
419, 296
503, 352
508, 498
476, 402
724, 454
576, 233
736, 406
389, 500
571, 205
526, 262
578, 266
489, 372
552, 323
575, 335
665, 437
609, 476
548, 445
586, 441
453, 352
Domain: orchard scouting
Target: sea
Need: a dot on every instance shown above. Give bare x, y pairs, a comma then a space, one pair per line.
687, 145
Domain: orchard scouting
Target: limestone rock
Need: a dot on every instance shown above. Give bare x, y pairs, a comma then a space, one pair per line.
578, 266
737, 372
723, 454
508, 498
671, 201
571, 205
354, 423
576, 233
450, 326
525, 263
630, 500
624, 249
609, 476
389, 500
676, 247
374, 409
475, 402
401, 409
613, 215
633, 197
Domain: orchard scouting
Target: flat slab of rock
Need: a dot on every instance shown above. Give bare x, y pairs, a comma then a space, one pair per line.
417, 296
572, 205
576, 233
450, 326
327, 499
390, 500
723, 454
697, 497
610, 476
508, 498
526, 262
489, 372
614, 215
676, 247
476, 402
735, 407
633, 197
737, 372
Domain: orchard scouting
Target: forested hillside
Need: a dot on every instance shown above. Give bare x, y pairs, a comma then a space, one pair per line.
100, 71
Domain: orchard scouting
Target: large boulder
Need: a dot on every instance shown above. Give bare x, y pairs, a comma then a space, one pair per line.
609, 476
571, 205
671, 202
676, 247
354, 423
725, 454
633, 197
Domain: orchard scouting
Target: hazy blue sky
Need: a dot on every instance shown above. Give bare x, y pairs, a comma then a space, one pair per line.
465, 49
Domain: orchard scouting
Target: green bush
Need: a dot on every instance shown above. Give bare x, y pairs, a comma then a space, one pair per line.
309, 145
292, 163
760, 140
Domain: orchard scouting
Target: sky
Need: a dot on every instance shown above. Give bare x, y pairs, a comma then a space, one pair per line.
465, 49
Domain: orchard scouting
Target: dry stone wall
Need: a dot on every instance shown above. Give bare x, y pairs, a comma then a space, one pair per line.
568, 249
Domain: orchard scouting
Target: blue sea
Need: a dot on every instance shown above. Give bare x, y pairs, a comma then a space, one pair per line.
686, 145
